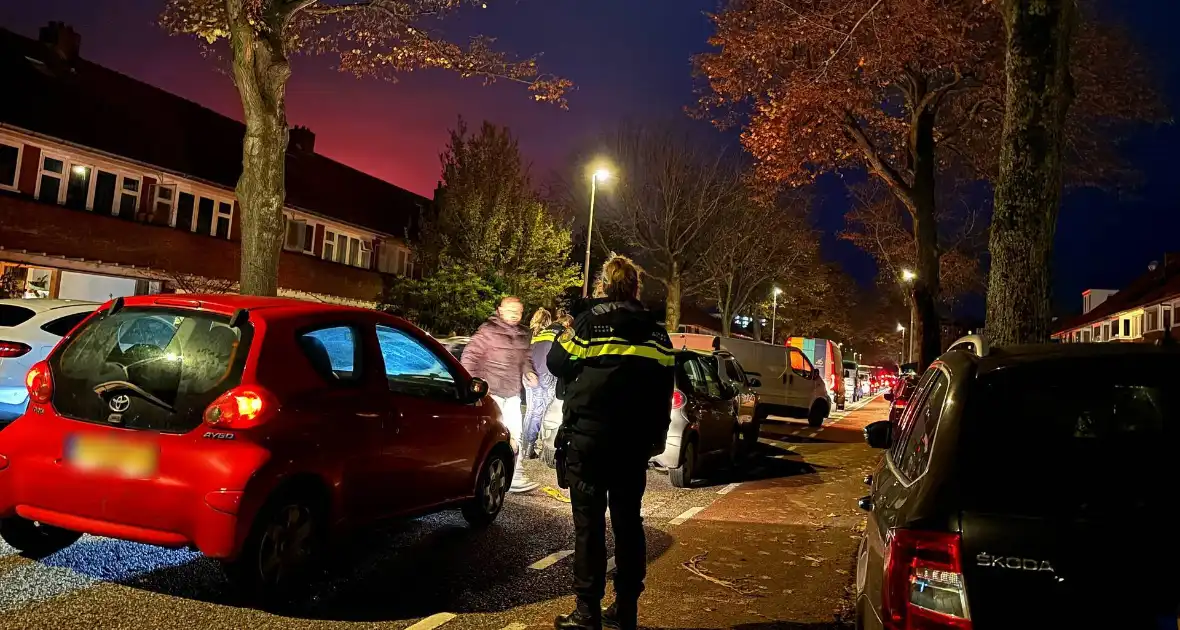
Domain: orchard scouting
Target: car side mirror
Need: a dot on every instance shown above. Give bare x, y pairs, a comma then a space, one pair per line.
879, 434
753, 382
477, 390
888, 396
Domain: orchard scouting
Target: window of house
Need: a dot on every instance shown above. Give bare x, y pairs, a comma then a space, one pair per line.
78, 186
341, 248
128, 197
402, 258
204, 225
1127, 327
9, 164
49, 184
1106, 331
1086, 336
104, 192
1151, 319
165, 200
1167, 309
225, 213
309, 238
185, 202
329, 246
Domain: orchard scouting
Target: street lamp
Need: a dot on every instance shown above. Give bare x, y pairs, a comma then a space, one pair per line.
773, 311
599, 175
908, 277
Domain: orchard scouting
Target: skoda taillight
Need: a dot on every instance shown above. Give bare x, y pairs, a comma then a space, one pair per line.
677, 399
924, 587
13, 349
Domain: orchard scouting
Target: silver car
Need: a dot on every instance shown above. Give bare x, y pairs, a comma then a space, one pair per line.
704, 430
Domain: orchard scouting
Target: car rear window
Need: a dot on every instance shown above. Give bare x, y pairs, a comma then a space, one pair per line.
13, 315
1087, 437
148, 368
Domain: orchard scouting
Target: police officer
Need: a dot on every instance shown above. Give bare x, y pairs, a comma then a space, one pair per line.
616, 369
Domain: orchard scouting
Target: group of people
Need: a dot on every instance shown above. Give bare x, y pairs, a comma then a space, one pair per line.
611, 370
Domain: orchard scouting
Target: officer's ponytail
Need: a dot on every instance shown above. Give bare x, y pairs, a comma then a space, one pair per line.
619, 280
540, 321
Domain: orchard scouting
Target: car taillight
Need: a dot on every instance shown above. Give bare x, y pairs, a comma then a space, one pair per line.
242, 407
924, 582
40, 383
900, 402
677, 399
13, 349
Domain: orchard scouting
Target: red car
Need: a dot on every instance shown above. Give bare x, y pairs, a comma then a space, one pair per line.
900, 397
252, 429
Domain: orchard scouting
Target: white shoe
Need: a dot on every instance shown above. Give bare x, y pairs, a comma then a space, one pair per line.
524, 486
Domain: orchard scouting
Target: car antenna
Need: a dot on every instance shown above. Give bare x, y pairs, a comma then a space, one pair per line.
239, 318
116, 306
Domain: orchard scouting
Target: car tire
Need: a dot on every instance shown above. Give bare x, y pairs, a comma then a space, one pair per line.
284, 547
816, 415
34, 539
490, 489
682, 475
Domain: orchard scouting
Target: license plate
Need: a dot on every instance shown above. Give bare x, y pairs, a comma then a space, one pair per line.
132, 459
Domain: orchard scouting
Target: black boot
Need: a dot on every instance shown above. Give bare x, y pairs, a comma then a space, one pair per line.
621, 615
586, 616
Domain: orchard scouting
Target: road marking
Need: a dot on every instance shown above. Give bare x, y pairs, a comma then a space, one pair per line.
550, 560
813, 433
787, 446
515, 626
432, 621
730, 488
689, 513
610, 564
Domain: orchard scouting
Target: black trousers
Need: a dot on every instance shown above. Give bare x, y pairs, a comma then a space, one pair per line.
601, 475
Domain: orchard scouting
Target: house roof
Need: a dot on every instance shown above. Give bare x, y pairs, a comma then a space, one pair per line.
86, 104
1150, 288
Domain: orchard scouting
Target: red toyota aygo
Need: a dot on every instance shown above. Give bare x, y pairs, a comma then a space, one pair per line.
254, 430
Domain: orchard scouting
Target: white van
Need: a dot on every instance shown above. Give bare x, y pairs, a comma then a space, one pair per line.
790, 385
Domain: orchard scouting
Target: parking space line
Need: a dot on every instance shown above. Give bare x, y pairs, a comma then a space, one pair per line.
813, 433
689, 513
515, 626
551, 559
432, 621
730, 488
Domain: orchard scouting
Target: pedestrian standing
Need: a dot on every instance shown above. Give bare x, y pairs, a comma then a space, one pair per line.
499, 353
538, 399
616, 369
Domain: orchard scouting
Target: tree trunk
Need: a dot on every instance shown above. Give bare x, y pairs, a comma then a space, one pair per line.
260, 72
926, 284
725, 304
1028, 192
672, 302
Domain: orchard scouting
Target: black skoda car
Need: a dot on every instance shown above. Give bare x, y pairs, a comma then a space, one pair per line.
1029, 488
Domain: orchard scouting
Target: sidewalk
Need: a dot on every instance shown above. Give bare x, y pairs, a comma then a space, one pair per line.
777, 552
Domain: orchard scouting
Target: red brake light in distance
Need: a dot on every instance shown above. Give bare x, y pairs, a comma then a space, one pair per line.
242, 407
13, 349
924, 587
677, 399
40, 383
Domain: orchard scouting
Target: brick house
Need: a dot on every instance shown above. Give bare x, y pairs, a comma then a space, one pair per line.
1141, 312
110, 186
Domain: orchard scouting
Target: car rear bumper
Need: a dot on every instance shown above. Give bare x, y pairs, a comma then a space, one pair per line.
196, 499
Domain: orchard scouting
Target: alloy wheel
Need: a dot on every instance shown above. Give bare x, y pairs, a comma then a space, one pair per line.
286, 545
495, 487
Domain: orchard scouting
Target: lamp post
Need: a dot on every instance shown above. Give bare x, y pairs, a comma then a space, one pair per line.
773, 311
908, 277
901, 355
600, 174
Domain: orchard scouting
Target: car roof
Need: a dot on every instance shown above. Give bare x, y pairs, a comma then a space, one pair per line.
228, 303
40, 305
1024, 355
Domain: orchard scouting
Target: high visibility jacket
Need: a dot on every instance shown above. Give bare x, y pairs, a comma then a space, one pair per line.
539, 351
616, 371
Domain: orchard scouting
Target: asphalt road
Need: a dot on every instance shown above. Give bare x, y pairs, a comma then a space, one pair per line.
436, 572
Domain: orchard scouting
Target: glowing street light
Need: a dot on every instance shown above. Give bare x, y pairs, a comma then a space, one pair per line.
599, 175
908, 275
773, 311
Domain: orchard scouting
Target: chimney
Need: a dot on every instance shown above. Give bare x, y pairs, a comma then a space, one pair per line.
62, 40
301, 140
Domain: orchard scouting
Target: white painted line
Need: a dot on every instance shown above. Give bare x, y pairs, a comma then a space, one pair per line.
789, 446
515, 626
813, 433
730, 488
550, 560
432, 621
610, 564
689, 513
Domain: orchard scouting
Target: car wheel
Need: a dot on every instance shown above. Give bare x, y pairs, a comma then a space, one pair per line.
815, 417
34, 539
284, 546
682, 475
493, 484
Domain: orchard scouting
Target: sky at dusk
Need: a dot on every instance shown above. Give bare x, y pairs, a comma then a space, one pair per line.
630, 60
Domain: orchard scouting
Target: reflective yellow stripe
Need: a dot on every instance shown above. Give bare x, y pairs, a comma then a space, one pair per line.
661, 355
575, 351
547, 335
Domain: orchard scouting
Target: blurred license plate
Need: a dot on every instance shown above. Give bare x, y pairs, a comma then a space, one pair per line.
125, 458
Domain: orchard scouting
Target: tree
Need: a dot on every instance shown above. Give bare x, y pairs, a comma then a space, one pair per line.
903, 89
454, 300
1039, 92
370, 37
192, 283
757, 248
669, 206
491, 221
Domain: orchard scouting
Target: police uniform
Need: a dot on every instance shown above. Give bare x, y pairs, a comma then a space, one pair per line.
616, 373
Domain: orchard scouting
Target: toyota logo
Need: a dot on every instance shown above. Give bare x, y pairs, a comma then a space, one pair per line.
120, 403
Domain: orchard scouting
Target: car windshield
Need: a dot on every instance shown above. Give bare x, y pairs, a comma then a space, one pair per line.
148, 368
1038, 443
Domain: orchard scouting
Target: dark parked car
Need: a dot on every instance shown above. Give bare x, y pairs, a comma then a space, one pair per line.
1010, 497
